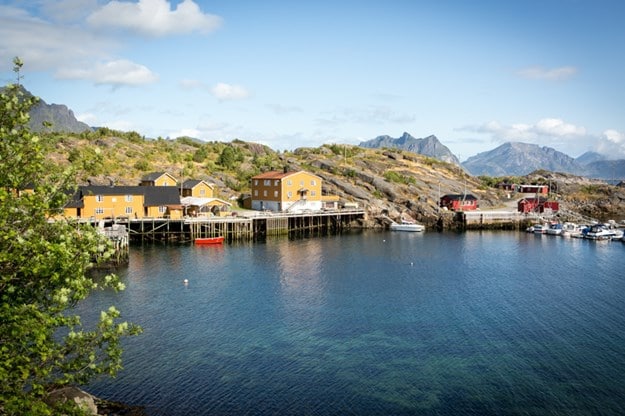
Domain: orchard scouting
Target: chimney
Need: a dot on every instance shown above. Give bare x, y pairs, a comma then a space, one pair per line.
286, 169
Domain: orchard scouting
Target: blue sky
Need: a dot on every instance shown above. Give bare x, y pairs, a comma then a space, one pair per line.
291, 74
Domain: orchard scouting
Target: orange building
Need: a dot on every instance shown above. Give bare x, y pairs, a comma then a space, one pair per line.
102, 202
286, 191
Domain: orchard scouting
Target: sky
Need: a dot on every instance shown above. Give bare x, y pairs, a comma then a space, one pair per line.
290, 74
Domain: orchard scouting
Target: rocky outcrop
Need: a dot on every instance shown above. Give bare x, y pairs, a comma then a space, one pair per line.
93, 405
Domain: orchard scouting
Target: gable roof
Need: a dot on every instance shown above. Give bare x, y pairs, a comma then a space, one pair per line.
151, 177
460, 197
279, 174
192, 183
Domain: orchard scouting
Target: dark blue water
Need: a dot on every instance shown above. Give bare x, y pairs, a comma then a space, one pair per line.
377, 323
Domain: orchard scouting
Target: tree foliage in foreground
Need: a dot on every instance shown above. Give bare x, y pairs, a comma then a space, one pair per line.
44, 272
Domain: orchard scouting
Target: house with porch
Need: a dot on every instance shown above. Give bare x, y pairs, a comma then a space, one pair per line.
284, 191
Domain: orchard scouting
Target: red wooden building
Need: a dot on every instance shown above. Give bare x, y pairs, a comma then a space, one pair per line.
538, 204
533, 189
459, 202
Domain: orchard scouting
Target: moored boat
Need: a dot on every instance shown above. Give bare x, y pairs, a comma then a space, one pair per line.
570, 229
405, 225
554, 229
209, 240
601, 232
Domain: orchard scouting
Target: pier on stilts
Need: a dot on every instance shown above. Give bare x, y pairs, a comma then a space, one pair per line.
239, 228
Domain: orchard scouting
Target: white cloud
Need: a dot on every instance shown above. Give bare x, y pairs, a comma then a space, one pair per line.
43, 45
226, 92
116, 73
546, 128
557, 128
553, 74
612, 144
88, 118
155, 17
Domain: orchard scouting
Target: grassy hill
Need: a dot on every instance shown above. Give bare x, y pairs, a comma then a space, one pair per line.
384, 181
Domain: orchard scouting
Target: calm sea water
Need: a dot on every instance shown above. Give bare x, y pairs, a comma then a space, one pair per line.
375, 323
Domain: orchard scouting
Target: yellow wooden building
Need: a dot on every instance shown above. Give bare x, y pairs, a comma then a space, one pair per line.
159, 179
109, 202
285, 191
198, 189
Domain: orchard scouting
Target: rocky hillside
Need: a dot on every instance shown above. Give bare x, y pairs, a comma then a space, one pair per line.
384, 181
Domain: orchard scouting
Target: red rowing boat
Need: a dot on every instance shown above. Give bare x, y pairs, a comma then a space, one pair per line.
209, 240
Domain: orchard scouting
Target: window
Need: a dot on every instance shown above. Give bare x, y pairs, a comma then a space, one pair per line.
289, 194
313, 193
301, 183
128, 210
99, 198
99, 210
255, 182
255, 192
276, 182
165, 183
128, 198
162, 210
275, 194
267, 182
313, 182
289, 182
264, 193
202, 192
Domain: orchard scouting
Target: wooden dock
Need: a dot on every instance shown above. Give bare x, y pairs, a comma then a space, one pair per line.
240, 228
493, 220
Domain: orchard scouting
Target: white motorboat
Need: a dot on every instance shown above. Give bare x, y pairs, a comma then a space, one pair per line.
538, 228
602, 232
554, 229
405, 225
570, 229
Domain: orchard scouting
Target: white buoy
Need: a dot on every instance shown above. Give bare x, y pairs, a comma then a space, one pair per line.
186, 281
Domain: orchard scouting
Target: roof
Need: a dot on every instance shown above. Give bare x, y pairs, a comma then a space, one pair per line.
153, 195
160, 196
460, 197
192, 183
539, 200
154, 176
279, 174
110, 190
199, 202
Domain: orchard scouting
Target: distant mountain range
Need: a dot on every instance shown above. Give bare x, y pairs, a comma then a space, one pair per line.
516, 158
509, 159
429, 146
